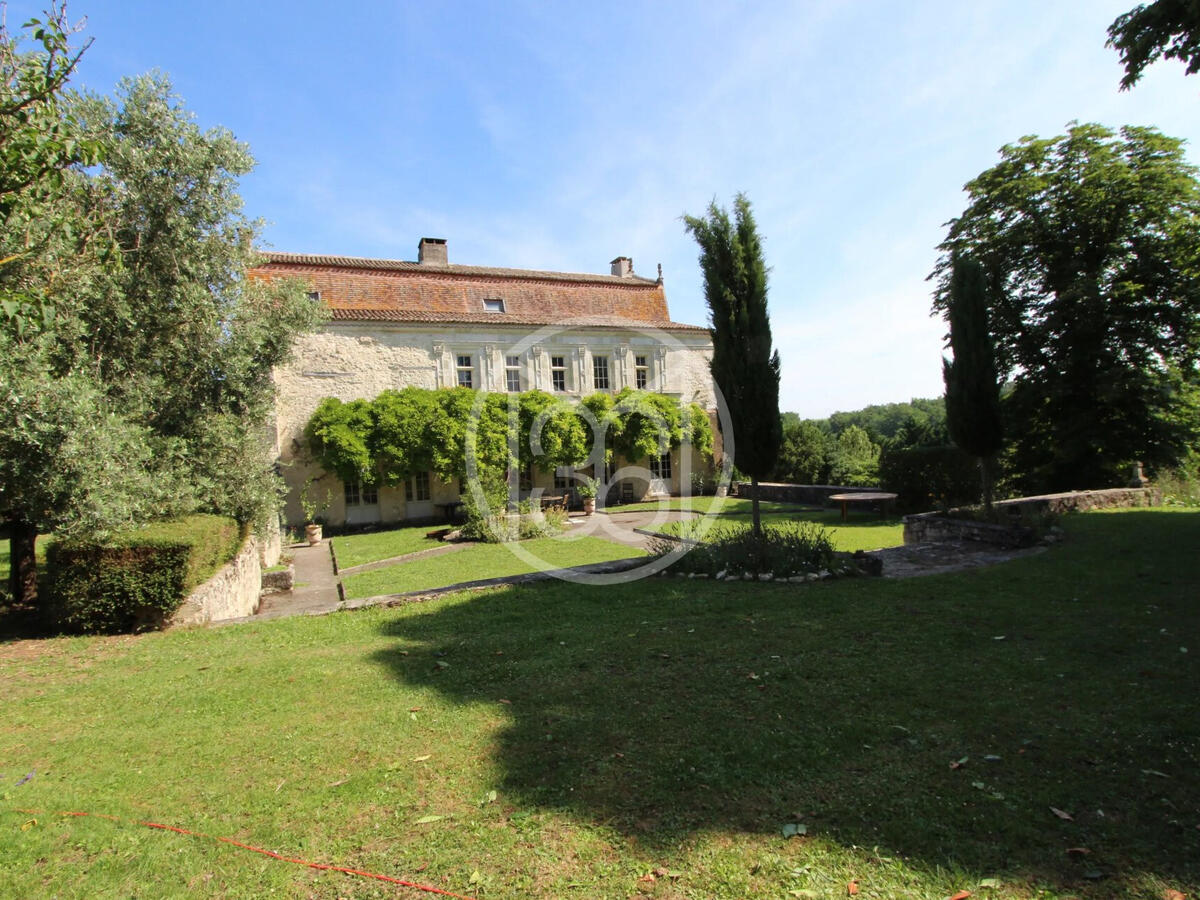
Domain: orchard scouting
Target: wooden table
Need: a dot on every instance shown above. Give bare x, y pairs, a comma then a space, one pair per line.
883, 498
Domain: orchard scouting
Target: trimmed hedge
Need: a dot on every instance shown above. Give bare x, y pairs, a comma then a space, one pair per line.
928, 478
136, 579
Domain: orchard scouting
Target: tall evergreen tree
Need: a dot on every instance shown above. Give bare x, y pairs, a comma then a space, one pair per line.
972, 393
744, 366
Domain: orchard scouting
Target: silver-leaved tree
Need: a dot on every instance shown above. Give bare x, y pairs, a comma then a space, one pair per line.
135, 356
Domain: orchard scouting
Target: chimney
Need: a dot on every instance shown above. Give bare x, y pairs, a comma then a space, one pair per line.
622, 266
432, 252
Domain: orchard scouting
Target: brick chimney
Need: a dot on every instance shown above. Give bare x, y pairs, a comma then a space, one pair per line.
622, 266
432, 252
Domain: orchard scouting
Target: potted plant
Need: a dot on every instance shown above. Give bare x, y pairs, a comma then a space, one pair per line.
587, 493
313, 505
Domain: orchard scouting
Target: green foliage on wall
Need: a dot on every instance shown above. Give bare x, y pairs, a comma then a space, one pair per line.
403, 432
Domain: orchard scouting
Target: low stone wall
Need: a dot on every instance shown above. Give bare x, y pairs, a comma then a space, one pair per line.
812, 494
230, 594
935, 526
282, 580
1081, 501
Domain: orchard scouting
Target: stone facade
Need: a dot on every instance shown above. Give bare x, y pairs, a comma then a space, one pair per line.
230, 594
397, 324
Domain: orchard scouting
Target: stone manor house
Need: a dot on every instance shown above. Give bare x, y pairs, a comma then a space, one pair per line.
433, 323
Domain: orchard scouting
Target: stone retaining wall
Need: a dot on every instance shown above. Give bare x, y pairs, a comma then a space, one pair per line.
935, 526
814, 494
230, 594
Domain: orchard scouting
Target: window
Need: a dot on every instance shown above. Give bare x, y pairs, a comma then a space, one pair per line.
417, 488
564, 478
600, 372
359, 494
660, 466
314, 296
558, 372
466, 372
512, 374
494, 305
641, 372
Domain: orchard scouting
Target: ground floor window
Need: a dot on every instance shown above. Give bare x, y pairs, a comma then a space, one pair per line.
359, 494
417, 488
564, 478
660, 467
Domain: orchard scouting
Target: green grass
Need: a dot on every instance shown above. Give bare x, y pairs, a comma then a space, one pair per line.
479, 561
725, 505
358, 549
657, 725
860, 531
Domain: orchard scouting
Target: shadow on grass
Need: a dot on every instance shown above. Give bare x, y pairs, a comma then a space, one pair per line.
664, 708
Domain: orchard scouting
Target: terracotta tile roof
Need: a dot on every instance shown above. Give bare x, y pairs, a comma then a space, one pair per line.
396, 291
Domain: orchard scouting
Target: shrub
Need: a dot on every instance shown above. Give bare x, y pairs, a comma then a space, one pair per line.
541, 523
929, 478
137, 579
488, 521
1181, 486
785, 549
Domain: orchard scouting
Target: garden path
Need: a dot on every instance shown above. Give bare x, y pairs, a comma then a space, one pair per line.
315, 591
939, 557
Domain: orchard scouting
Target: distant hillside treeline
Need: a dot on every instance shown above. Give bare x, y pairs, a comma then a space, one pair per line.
905, 447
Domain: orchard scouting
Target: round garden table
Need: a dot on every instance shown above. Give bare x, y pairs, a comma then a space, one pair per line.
883, 498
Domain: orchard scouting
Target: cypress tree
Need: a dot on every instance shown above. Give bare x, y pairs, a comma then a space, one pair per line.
972, 393
744, 366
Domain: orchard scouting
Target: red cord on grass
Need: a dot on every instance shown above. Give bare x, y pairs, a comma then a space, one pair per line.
427, 888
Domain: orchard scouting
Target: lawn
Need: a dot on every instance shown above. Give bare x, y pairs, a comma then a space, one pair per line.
479, 561
723, 505
970, 732
861, 531
358, 549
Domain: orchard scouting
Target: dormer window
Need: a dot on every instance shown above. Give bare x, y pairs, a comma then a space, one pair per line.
493, 305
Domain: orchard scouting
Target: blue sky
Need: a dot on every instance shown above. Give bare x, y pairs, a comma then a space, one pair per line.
559, 136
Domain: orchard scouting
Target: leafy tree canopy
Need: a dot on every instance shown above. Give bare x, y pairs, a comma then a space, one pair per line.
854, 459
137, 357
1091, 248
1165, 28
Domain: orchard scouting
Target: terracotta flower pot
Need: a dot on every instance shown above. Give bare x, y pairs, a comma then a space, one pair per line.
312, 534
589, 505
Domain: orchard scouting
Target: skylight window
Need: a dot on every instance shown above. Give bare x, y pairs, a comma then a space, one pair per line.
494, 305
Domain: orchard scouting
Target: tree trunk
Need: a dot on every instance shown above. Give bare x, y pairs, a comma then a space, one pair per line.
22, 575
754, 506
